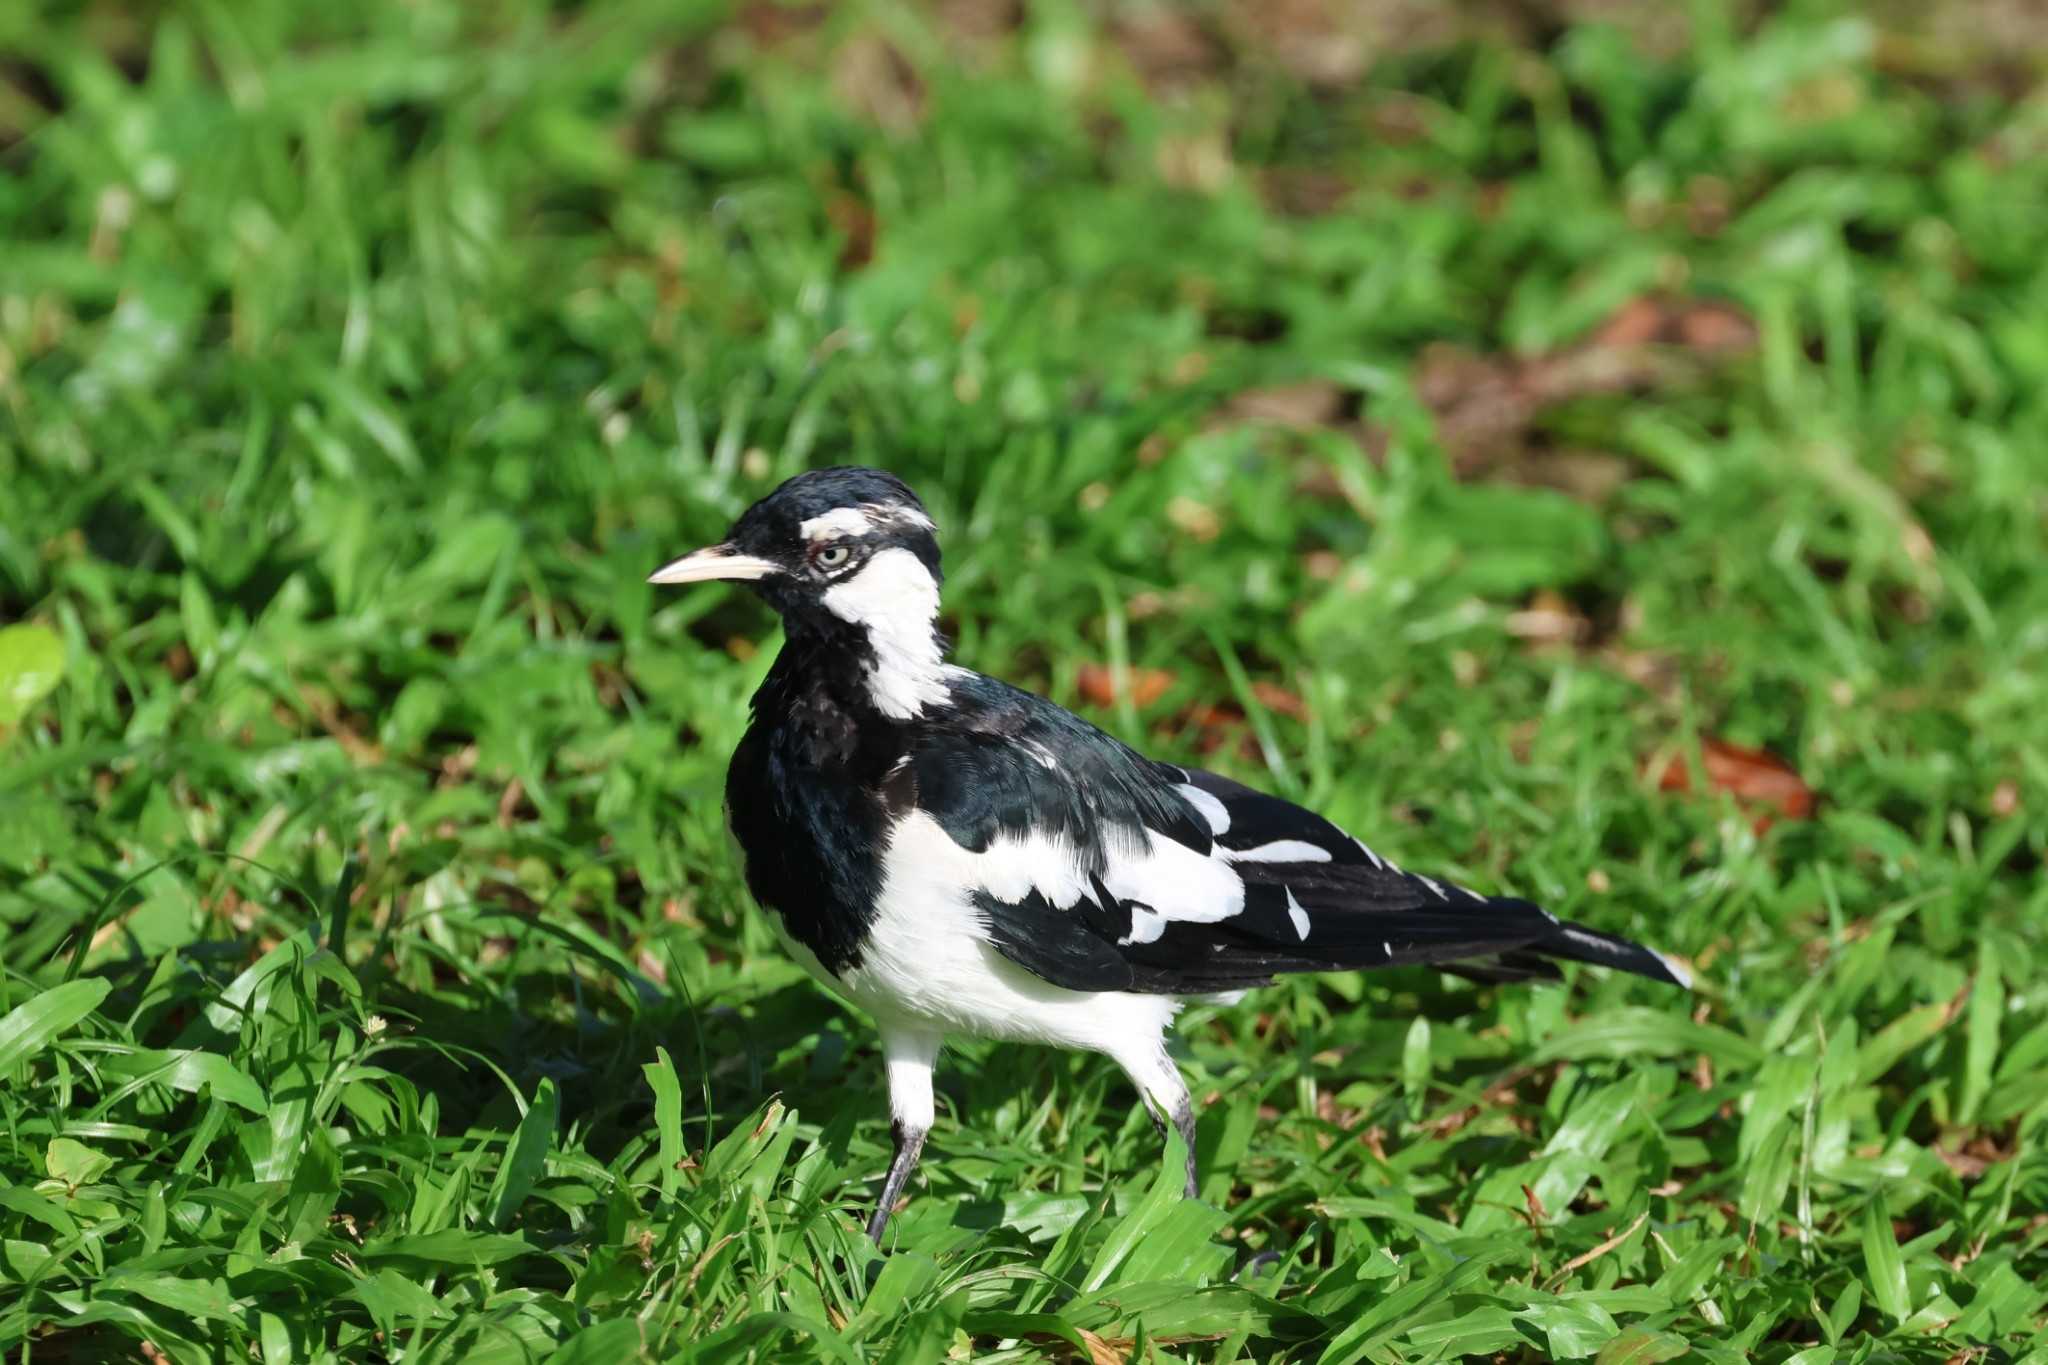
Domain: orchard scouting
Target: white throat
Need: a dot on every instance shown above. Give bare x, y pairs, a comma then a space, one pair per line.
896, 600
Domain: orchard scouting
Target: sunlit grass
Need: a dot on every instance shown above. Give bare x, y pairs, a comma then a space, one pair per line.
1455, 443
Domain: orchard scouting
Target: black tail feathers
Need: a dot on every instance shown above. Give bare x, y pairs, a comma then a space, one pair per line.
1573, 943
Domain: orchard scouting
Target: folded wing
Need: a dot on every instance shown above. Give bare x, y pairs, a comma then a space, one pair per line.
1120, 873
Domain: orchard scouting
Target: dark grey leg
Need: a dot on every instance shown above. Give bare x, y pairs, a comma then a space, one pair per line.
1184, 1122
909, 1144
1166, 1096
1184, 1119
908, 1055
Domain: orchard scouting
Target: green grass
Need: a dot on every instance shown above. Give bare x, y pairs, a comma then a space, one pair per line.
377, 984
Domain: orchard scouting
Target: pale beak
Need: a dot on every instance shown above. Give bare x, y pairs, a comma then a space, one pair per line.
713, 562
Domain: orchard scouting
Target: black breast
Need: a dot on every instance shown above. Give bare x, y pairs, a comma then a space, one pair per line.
809, 796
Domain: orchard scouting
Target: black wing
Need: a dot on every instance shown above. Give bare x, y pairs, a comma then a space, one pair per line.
1155, 878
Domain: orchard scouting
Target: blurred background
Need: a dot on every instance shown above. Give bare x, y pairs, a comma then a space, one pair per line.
1593, 449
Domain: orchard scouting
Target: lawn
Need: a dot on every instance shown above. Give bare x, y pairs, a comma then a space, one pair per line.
1593, 451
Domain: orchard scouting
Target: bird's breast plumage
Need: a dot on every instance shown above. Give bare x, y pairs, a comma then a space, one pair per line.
807, 799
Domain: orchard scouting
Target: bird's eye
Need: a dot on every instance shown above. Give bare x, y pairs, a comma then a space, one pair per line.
832, 556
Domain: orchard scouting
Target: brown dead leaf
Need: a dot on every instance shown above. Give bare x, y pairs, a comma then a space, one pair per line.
854, 218
1715, 328
2005, 798
1966, 1165
1279, 700
980, 21
1549, 619
1303, 191
1168, 47
1305, 403
343, 727
1652, 670
1199, 161
1196, 519
1754, 776
878, 83
1487, 405
1308, 38
1591, 476
508, 802
1635, 323
1216, 726
1101, 684
1104, 1350
1322, 565
771, 23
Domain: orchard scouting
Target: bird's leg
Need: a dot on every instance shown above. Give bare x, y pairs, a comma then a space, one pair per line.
909, 1144
1184, 1119
1166, 1097
908, 1054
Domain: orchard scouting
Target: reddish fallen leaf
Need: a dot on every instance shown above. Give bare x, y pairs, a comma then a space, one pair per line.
1715, 327
1279, 700
1219, 726
1486, 405
1755, 776
854, 218
2005, 798
1635, 323
1102, 685
772, 23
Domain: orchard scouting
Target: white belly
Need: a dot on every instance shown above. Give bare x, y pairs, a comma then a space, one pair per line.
927, 960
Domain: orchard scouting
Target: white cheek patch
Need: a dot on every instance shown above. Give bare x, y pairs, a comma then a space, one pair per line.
840, 521
895, 599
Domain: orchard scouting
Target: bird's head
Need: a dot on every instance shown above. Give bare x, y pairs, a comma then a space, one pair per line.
839, 552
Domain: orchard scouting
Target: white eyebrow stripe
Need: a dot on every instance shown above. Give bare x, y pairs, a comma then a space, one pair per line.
840, 521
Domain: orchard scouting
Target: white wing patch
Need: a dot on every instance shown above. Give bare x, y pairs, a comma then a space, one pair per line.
1298, 915
1212, 809
1371, 856
1278, 851
1166, 881
928, 960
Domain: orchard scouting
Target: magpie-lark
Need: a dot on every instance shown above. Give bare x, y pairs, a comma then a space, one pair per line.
957, 856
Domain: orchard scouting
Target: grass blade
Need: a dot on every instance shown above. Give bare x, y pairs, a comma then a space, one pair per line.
28, 1028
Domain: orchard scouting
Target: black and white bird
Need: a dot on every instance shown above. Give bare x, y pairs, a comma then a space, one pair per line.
957, 856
